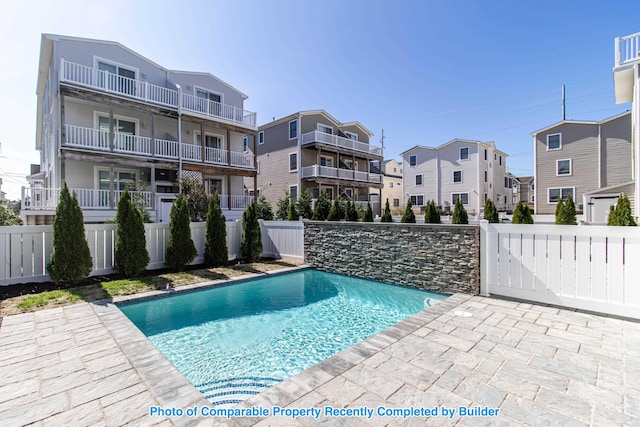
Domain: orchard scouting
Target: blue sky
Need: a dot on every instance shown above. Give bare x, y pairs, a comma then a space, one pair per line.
425, 71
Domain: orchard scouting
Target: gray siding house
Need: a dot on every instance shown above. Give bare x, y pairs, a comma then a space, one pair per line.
108, 119
582, 158
470, 170
314, 151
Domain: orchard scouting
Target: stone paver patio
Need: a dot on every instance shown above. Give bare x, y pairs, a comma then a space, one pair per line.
86, 364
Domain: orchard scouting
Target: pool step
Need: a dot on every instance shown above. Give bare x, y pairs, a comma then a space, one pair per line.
231, 391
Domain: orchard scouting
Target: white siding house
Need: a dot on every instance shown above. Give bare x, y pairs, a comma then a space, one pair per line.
108, 118
470, 170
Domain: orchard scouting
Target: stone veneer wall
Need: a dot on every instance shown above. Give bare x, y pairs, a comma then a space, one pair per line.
433, 257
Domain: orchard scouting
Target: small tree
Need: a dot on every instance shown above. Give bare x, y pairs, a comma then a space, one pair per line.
71, 259
368, 214
322, 208
196, 198
431, 214
559, 211
490, 212
8, 216
304, 204
620, 215
459, 213
215, 248
180, 248
335, 213
522, 214
386, 216
282, 206
352, 212
131, 255
251, 246
569, 212
263, 209
408, 216
293, 214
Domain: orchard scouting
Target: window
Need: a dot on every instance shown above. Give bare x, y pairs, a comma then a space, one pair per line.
352, 136
350, 164
293, 162
485, 154
121, 179
413, 160
396, 203
506, 182
245, 143
258, 166
210, 141
117, 78
464, 153
214, 185
485, 176
394, 170
485, 197
293, 192
293, 129
261, 138
209, 102
563, 167
457, 176
505, 200
326, 161
464, 198
554, 141
325, 129
418, 179
533, 187
556, 193
391, 185
417, 200
500, 160
533, 197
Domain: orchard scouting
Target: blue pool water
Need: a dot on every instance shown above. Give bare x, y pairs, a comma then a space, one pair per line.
232, 342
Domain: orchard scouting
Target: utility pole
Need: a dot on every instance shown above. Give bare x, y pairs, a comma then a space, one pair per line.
382, 139
563, 104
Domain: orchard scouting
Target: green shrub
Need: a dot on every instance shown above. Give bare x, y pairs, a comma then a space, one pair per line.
386, 216
8, 216
566, 212
180, 248
352, 212
490, 212
215, 248
196, 199
304, 204
282, 206
70, 261
620, 215
431, 214
131, 255
251, 246
368, 214
522, 214
335, 213
559, 211
459, 213
263, 209
322, 208
408, 217
293, 215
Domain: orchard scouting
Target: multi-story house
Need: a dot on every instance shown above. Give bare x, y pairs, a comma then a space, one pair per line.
471, 171
109, 118
626, 79
392, 184
525, 190
314, 151
590, 160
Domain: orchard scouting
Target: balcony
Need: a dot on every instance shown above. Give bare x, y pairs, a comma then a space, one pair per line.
317, 171
627, 49
98, 140
103, 81
627, 54
317, 137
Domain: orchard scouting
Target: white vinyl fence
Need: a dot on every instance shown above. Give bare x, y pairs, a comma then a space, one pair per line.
26, 250
593, 268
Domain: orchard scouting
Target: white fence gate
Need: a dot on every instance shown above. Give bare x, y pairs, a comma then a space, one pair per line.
26, 250
593, 268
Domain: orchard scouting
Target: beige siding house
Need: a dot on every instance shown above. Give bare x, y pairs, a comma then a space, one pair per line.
314, 151
109, 118
392, 186
580, 158
525, 189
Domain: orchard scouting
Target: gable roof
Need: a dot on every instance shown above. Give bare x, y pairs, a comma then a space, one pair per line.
464, 141
315, 112
580, 122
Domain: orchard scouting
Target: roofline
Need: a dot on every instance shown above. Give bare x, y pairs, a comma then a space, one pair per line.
579, 122
314, 112
204, 73
469, 141
610, 187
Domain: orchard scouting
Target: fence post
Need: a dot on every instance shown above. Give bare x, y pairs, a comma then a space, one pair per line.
484, 257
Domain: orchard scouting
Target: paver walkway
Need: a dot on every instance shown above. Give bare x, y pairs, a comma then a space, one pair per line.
88, 365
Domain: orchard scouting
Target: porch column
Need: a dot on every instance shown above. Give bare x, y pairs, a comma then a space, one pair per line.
111, 187
255, 167
152, 180
111, 130
229, 189
153, 135
229, 149
63, 140
202, 141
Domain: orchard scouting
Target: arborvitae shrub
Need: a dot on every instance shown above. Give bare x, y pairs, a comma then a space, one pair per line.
386, 216
620, 215
70, 261
352, 212
180, 248
559, 211
335, 213
368, 214
490, 212
131, 255
322, 208
569, 212
304, 204
263, 209
408, 216
431, 214
251, 246
215, 248
293, 214
459, 213
282, 206
522, 214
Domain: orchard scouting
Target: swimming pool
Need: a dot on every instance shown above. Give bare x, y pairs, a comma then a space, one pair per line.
234, 341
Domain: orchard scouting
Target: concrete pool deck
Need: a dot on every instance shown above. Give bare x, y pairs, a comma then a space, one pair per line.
87, 364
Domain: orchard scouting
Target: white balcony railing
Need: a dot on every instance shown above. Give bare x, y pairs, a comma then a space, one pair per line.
88, 198
166, 149
191, 152
215, 155
340, 142
317, 171
627, 49
97, 139
105, 81
244, 160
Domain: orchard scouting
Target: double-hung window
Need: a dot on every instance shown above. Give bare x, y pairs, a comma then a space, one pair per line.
556, 193
554, 141
563, 167
413, 160
293, 162
417, 200
293, 129
464, 153
464, 198
418, 179
457, 176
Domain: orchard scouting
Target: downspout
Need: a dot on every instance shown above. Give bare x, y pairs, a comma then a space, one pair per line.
478, 177
180, 139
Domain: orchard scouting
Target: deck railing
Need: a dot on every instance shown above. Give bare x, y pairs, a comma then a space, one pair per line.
338, 141
627, 49
215, 155
105, 81
97, 139
46, 199
317, 171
